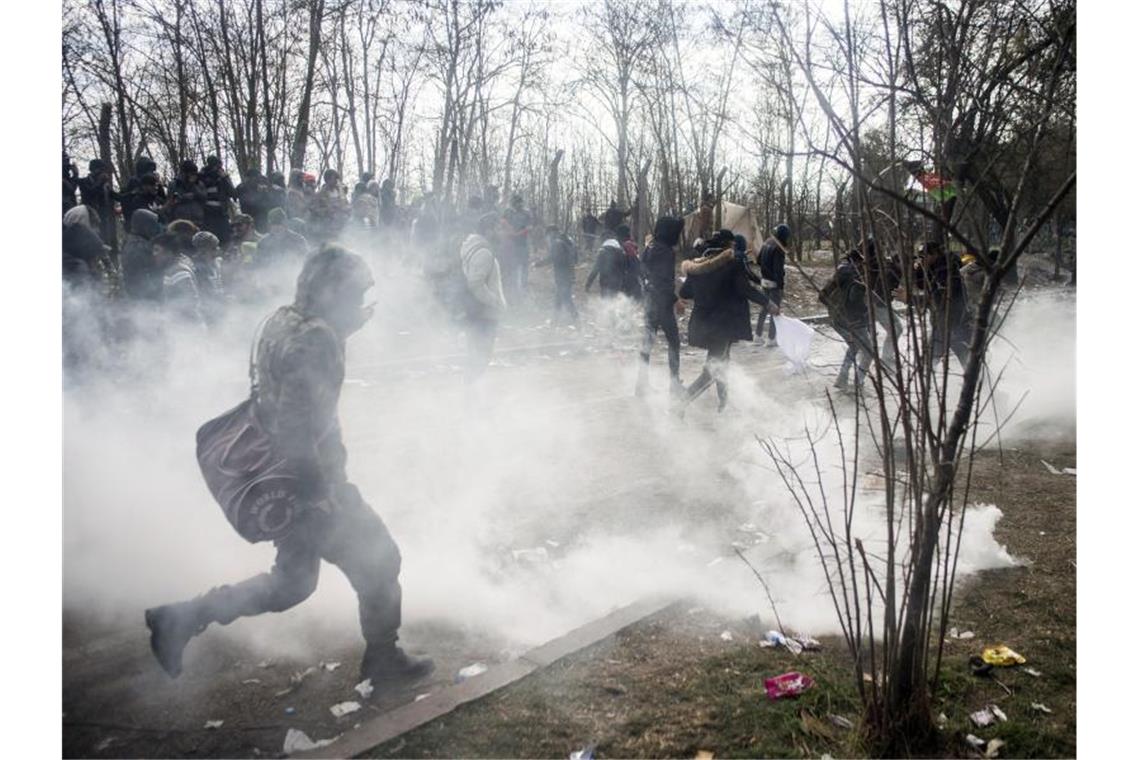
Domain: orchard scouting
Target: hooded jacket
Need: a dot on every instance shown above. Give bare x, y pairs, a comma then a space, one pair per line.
659, 262
771, 261
484, 283
719, 288
141, 278
609, 268
82, 246
296, 378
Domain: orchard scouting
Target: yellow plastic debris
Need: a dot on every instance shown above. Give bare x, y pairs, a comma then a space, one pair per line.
1002, 656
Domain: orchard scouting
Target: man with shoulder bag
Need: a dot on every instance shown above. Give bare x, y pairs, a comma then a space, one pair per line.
276, 465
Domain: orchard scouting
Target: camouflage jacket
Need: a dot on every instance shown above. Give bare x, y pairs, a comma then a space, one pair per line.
297, 374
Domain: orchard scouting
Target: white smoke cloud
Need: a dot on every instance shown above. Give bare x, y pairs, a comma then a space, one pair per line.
626, 500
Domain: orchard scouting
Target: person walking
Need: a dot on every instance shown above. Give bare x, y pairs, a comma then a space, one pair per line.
659, 268
771, 261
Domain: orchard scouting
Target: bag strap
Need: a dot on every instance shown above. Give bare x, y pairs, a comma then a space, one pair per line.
253, 375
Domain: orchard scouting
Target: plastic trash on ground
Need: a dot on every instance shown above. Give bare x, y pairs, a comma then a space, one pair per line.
790, 684
1002, 656
794, 338
840, 722
470, 671
983, 717
341, 709
211, 724
779, 639
1041, 708
586, 753
975, 741
726, 635
299, 741
364, 688
993, 747
330, 666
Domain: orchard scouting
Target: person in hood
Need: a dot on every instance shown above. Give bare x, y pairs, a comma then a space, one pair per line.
718, 285
485, 302
207, 258
281, 245
659, 273
187, 196
84, 254
96, 192
70, 183
142, 280
253, 195
771, 260
219, 192
942, 293
612, 218
845, 297
609, 269
179, 296
563, 257
879, 277
516, 250
631, 272
299, 360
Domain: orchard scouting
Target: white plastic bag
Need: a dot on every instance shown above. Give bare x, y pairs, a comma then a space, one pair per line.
794, 338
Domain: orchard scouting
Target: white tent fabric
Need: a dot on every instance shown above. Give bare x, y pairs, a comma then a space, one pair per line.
735, 217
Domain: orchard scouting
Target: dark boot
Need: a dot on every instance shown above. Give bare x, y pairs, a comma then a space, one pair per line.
171, 628
388, 664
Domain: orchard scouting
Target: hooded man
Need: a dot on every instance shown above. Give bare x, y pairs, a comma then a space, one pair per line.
96, 193
253, 194
609, 269
219, 192
142, 280
516, 251
281, 245
563, 257
83, 249
631, 274
937, 275
298, 371
485, 300
659, 268
187, 195
207, 258
718, 284
70, 183
771, 260
180, 298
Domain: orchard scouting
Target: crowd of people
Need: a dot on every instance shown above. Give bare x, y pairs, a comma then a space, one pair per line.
200, 244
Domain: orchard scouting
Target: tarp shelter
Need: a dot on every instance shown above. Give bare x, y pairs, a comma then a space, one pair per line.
733, 216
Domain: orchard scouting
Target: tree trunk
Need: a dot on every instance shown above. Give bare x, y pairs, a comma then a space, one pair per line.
552, 213
301, 136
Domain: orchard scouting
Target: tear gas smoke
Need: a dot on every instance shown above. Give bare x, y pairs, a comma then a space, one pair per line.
614, 498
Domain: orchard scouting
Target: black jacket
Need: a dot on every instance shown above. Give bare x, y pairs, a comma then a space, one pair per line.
945, 292
609, 270
719, 288
771, 261
659, 271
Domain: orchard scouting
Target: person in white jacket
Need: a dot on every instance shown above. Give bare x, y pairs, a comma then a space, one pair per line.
485, 302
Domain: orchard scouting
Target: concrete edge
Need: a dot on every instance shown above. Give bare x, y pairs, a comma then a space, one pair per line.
404, 718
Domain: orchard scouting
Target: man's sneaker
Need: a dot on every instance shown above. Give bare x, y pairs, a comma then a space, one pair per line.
389, 664
171, 628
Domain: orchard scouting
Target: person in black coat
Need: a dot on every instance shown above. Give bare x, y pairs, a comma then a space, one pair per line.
937, 274
719, 287
659, 273
845, 297
609, 266
771, 260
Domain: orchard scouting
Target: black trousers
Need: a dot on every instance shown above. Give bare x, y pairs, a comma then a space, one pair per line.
564, 298
352, 537
659, 315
